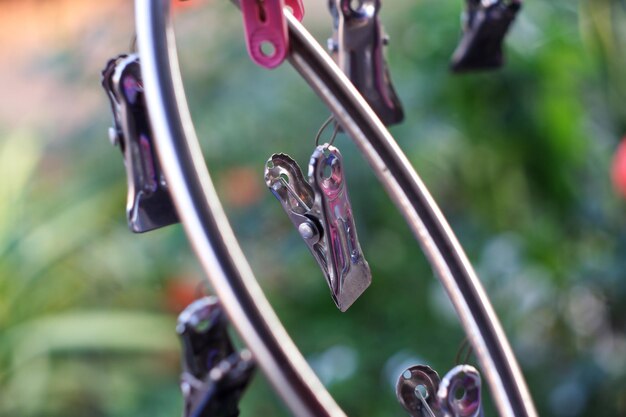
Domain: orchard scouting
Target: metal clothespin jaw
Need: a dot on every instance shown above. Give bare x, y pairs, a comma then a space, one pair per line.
149, 205
423, 394
357, 46
486, 23
214, 375
321, 212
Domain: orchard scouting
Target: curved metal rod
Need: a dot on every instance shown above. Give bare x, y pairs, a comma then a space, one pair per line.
206, 224
219, 253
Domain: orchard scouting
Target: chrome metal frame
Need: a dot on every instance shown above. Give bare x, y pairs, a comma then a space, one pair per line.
219, 253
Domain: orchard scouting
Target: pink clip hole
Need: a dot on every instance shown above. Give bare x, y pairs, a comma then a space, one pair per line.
266, 31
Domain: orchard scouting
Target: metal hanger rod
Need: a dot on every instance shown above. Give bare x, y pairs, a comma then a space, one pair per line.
217, 248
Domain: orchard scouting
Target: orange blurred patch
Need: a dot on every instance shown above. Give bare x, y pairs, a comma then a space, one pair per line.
182, 4
618, 170
182, 291
241, 186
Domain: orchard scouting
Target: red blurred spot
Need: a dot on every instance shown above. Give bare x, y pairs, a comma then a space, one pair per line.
181, 291
180, 4
618, 171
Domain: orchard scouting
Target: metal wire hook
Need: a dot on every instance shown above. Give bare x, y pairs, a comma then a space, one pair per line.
133, 43
323, 127
420, 396
464, 347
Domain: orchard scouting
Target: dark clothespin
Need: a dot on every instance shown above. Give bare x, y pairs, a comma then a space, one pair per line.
486, 24
358, 46
214, 375
149, 205
321, 212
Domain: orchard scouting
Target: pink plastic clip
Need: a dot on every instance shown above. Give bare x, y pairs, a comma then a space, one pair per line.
266, 29
297, 8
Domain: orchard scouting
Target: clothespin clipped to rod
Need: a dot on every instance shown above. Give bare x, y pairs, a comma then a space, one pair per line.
265, 29
214, 375
357, 45
149, 204
485, 25
321, 212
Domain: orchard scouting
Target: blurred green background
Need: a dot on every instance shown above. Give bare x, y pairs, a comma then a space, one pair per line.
518, 159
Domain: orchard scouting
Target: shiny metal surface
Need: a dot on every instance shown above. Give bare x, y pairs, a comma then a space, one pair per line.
459, 393
350, 273
215, 245
321, 211
422, 394
416, 390
358, 44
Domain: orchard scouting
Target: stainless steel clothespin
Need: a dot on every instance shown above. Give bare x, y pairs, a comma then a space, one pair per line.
358, 47
423, 394
214, 375
149, 205
320, 209
485, 25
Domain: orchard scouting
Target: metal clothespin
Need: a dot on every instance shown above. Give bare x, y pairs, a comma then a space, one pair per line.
357, 46
485, 25
149, 205
214, 375
265, 29
320, 209
423, 394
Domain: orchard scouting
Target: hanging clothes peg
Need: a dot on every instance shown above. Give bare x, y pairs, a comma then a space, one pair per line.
357, 45
423, 394
214, 375
485, 25
149, 205
265, 29
321, 212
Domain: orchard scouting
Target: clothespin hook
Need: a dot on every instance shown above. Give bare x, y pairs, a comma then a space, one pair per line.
323, 127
